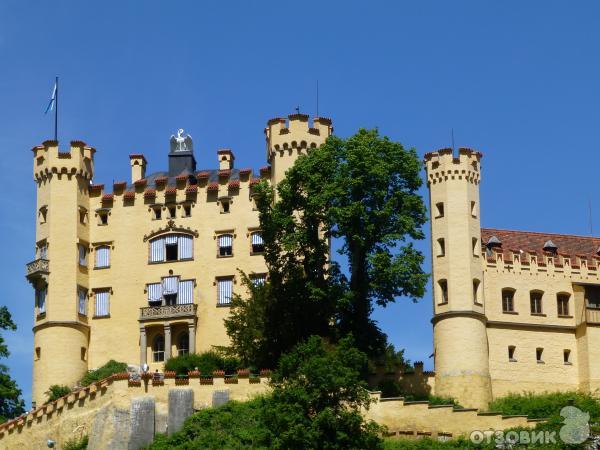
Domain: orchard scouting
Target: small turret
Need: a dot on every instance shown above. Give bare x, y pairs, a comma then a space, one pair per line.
226, 159
138, 167
287, 139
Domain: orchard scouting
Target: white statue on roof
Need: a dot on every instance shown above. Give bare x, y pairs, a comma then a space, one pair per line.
181, 143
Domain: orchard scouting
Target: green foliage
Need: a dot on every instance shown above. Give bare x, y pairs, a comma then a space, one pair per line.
315, 403
233, 425
362, 190
76, 443
437, 400
389, 360
206, 363
111, 367
57, 391
11, 402
547, 405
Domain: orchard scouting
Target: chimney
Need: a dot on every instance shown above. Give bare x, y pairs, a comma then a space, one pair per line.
226, 159
138, 167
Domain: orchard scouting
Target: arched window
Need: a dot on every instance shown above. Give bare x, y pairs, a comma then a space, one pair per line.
171, 247
535, 301
183, 343
562, 303
508, 300
158, 348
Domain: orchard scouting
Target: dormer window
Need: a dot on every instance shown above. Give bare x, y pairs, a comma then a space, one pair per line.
550, 247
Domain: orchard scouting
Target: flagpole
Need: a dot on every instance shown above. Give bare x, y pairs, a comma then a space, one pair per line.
56, 113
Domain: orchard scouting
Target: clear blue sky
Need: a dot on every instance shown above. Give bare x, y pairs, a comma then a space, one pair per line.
516, 80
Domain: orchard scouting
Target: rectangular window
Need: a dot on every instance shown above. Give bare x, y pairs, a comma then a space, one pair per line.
226, 245
259, 279
476, 292
171, 247
170, 287
82, 301
562, 303
508, 296
475, 247
473, 209
443, 291
38, 353
41, 300
102, 307
225, 291
225, 206
172, 212
187, 210
184, 247
539, 352
102, 257
440, 210
186, 292
154, 294
43, 251
567, 356
157, 213
82, 250
535, 302
441, 247
103, 218
258, 245
511, 353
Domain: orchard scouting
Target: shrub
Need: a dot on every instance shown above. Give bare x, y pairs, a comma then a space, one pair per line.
436, 400
76, 443
57, 391
206, 363
547, 405
106, 370
389, 388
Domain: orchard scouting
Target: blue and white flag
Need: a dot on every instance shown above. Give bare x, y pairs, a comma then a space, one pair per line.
52, 99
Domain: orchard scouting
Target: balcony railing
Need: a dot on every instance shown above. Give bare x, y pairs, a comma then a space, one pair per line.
592, 315
37, 269
168, 312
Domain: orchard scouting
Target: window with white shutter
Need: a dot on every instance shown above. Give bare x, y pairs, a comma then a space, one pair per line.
225, 245
154, 293
225, 291
102, 257
258, 245
82, 301
171, 247
82, 250
102, 307
259, 279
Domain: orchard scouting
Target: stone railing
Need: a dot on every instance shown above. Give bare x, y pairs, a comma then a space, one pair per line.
592, 315
37, 269
166, 312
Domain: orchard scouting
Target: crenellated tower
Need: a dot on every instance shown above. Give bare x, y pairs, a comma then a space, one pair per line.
59, 273
288, 139
459, 323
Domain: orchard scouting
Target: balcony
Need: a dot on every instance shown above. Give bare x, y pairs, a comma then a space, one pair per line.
38, 270
592, 316
167, 312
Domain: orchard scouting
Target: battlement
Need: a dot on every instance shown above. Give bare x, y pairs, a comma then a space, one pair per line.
442, 165
49, 160
295, 134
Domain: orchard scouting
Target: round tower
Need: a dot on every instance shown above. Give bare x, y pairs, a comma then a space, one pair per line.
459, 323
288, 139
59, 272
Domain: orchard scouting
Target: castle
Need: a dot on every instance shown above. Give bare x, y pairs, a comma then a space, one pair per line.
148, 270
513, 310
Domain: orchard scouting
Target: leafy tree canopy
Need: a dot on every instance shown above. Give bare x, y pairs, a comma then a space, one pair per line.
11, 402
315, 404
362, 191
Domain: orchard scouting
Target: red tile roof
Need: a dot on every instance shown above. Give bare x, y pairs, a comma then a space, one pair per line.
213, 186
533, 242
171, 190
191, 189
234, 184
160, 180
129, 195
107, 197
96, 187
140, 182
224, 173
150, 193
245, 171
204, 174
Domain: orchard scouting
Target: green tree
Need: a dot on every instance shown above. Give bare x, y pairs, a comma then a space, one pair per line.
11, 403
318, 394
363, 191
315, 403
